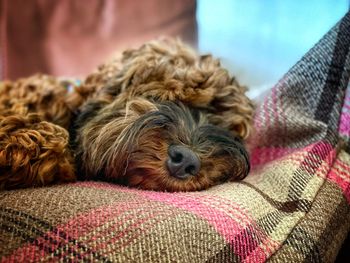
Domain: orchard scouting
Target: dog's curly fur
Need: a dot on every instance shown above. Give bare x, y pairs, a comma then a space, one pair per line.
159, 95
33, 136
41, 94
132, 109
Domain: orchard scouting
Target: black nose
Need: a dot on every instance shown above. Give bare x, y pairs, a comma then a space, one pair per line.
182, 162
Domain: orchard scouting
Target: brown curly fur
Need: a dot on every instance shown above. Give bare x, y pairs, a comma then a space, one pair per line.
42, 94
33, 139
114, 142
168, 70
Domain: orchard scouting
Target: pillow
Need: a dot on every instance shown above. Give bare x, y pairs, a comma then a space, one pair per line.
293, 207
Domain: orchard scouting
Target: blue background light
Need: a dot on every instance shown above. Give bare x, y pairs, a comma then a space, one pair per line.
259, 40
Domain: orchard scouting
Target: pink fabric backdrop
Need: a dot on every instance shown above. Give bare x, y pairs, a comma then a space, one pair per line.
71, 37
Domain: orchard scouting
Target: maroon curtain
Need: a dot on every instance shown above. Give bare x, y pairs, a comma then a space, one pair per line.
71, 37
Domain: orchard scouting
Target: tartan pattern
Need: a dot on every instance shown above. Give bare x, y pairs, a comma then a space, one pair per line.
293, 207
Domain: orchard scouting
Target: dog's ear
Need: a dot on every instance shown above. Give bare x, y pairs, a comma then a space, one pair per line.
33, 152
233, 110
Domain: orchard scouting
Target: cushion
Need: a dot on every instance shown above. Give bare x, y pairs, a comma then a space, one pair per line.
293, 207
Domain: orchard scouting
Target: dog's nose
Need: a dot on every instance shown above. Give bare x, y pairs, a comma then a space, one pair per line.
182, 162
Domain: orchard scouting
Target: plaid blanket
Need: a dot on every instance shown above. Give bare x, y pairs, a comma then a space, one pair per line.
293, 207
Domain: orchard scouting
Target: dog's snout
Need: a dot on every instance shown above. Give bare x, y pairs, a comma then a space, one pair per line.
182, 162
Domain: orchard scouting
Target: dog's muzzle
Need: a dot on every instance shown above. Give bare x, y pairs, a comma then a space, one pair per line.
182, 162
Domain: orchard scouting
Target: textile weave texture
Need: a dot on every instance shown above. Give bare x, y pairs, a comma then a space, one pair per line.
293, 207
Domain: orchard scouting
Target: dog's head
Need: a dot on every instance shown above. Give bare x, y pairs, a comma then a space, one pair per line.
167, 120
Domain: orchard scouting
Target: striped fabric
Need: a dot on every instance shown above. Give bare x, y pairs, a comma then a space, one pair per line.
293, 207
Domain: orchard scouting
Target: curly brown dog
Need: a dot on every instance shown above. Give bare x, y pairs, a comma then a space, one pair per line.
159, 117
163, 118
